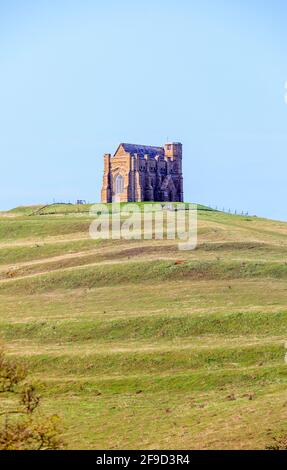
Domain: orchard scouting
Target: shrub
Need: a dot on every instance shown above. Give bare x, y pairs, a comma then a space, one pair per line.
22, 426
279, 443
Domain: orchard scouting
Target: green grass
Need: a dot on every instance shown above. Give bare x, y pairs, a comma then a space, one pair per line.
38, 228
18, 254
155, 362
138, 345
145, 272
63, 209
156, 327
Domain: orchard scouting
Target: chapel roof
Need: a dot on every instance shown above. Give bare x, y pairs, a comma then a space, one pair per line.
142, 150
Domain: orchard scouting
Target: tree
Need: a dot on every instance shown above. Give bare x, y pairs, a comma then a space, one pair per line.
22, 426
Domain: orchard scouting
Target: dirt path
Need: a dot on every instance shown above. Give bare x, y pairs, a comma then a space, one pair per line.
72, 268
52, 259
47, 240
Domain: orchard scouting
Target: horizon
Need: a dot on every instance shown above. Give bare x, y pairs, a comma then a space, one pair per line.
78, 79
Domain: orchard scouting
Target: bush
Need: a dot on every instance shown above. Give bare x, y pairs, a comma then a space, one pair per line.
22, 426
279, 443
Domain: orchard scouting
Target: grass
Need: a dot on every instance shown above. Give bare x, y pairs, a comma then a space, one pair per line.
38, 228
161, 327
64, 209
138, 345
136, 273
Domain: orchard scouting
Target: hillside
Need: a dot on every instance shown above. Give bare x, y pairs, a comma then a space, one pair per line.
138, 345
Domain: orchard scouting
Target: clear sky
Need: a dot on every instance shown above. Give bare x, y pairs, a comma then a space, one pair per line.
79, 77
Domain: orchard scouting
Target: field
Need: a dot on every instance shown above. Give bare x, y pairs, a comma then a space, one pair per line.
137, 345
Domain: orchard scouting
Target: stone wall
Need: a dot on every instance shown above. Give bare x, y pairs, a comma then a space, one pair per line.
131, 177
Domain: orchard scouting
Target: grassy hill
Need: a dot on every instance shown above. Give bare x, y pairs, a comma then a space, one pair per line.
138, 345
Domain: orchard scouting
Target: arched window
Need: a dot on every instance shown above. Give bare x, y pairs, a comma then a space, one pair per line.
119, 184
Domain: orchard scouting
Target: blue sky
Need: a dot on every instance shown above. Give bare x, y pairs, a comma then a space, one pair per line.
79, 77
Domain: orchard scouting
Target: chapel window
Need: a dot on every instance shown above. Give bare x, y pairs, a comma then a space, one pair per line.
119, 184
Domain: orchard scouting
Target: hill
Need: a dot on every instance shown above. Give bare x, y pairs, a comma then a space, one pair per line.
138, 345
